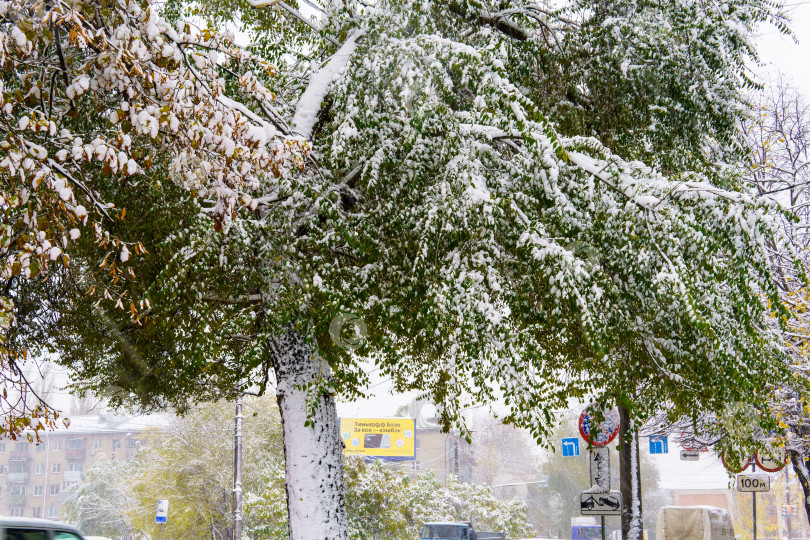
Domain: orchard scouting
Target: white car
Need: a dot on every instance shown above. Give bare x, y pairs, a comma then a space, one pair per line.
36, 529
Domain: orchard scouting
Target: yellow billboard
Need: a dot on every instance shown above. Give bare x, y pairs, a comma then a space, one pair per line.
387, 438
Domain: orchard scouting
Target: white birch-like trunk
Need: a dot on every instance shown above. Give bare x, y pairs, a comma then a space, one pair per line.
237, 470
313, 454
799, 463
632, 522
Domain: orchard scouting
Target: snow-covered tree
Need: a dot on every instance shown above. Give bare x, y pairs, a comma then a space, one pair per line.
100, 89
384, 503
100, 504
777, 135
476, 196
190, 462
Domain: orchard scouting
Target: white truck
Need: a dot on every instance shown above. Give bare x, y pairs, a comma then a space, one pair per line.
693, 523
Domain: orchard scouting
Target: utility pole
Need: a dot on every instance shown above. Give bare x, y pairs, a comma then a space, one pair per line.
237, 469
788, 506
754, 503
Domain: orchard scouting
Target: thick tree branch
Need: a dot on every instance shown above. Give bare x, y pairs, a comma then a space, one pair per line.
501, 24
306, 113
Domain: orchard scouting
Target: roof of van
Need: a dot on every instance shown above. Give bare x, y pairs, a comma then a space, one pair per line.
29, 523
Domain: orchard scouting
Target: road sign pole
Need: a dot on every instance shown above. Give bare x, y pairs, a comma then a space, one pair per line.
160, 531
603, 528
787, 504
754, 503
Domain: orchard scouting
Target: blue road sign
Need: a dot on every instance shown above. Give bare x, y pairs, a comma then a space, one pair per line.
162, 512
659, 445
570, 447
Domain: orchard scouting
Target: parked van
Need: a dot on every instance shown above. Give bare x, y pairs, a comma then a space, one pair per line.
693, 523
36, 529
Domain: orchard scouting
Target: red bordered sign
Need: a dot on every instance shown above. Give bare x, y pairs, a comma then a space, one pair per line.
700, 448
772, 463
735, 468
606, 431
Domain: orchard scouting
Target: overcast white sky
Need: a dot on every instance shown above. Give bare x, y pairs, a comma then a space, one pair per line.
782, 54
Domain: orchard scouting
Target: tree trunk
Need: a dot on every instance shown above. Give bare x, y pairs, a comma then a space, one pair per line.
800, 468
632, 523
313, 452
237, 469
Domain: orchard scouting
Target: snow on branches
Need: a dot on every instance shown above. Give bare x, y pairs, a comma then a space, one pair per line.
518, 257
108, 91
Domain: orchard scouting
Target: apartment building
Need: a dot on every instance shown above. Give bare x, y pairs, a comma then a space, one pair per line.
35, 477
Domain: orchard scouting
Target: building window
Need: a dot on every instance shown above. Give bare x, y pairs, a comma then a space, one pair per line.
67, 485
39, 469
76, 466
53, 512
38, 512
116, 445
40, 447
132, 443
2, 448
57, 446
38, 491
19, 466
16, 512
54, 489
57, 467
18, 490
75, 444
97, 444
20, 446
414, 465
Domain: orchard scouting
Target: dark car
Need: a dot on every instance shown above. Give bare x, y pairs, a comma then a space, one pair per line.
36, 529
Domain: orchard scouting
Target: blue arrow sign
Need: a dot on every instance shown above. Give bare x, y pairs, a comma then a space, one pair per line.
570, 447
659, 445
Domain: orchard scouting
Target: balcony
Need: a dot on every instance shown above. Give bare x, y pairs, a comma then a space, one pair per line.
73, 476
74, 453
17, 477
19, 454
16, 499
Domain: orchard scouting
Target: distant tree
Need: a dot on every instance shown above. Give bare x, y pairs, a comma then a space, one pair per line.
100, 505
501, 453
190, 463
385, 504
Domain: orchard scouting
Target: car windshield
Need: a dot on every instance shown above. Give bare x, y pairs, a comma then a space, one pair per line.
587, 533
439, 532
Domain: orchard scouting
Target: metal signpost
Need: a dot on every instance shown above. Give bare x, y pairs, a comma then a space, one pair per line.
161, 515
599, 500
758, 483
600, 468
